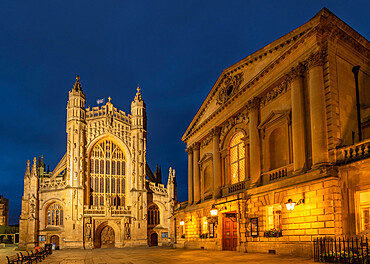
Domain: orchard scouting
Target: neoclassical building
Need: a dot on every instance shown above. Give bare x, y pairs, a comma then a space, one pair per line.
279, 151
102, 193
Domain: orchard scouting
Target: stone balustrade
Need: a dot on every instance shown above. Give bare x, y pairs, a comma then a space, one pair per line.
353, 153
101, 210
54, 183
236, 187
277, 174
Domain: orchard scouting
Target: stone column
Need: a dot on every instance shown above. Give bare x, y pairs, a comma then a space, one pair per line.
317, 109
254, 139
298, 118
196, 173
189, 150
216, 164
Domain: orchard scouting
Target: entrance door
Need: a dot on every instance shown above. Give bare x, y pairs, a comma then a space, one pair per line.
154, 239
107, 237
229, 233
55, 240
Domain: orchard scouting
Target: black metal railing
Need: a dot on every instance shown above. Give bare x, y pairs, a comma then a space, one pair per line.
341, 250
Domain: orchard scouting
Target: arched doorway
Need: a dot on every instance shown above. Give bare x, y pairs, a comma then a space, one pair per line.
107, 237
55, 240
154, 239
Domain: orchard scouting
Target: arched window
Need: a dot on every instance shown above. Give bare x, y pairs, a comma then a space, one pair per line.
55, 215
153, 215
108, 176
237, 158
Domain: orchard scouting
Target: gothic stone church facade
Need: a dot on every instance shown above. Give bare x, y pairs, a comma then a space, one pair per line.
102, 193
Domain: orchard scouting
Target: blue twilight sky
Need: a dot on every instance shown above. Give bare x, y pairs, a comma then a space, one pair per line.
175, 50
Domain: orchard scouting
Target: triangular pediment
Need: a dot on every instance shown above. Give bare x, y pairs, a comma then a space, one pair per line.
243, 75
273, 117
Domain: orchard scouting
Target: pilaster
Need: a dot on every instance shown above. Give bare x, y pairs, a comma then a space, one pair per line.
216, 163
254, 138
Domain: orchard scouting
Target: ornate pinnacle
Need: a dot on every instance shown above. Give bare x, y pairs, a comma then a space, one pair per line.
138, 96
28, 170
77, 85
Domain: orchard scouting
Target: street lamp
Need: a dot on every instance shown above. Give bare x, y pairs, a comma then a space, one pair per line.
290, 204
214, 210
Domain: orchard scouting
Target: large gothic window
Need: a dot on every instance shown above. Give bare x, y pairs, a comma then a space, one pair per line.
107, 174
55, 215
237, 158
153, 215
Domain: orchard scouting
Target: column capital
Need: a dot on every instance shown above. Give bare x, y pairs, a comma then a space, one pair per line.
215, 132
296, 72
316, 59
253, 103
189, 150
196, 146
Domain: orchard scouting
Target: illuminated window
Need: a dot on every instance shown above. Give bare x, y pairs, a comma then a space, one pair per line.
364, 211
237, 158
204, 225
55, 215
274, 217
107, 173
153, 215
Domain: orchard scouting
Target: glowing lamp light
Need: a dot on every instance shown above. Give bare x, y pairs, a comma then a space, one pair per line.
214, 210
290, 205
182, 222
205, 222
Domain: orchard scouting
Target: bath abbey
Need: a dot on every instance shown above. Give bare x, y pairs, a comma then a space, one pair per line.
102, 193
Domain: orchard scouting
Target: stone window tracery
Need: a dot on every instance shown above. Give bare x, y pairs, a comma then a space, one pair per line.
55, 215
237, 158
153, 215
105, 179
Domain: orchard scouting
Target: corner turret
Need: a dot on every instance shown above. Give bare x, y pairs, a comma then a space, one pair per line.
76, 139
138, 111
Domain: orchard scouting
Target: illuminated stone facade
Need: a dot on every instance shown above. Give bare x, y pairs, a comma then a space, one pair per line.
99, 193
282, 124
4, 211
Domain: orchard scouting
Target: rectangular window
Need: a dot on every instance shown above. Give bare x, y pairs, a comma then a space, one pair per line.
164, 234
363, 212
204, 225
274, 217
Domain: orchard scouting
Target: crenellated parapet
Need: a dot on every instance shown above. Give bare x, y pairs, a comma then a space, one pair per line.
102, 120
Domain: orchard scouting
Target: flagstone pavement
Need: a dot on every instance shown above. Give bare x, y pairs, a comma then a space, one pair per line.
160, 255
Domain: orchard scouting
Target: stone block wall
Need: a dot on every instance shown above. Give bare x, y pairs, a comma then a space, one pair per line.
319, 216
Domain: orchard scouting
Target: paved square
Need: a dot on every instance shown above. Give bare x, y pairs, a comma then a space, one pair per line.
164, 255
